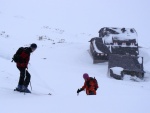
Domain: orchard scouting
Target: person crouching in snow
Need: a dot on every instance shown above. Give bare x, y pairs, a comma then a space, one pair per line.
90, 85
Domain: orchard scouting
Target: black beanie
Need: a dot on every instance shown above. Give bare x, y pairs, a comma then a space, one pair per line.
33, 45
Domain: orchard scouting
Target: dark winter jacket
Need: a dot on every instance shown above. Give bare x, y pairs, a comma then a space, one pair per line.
25, 57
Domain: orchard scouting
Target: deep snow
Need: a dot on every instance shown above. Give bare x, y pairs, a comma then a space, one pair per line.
61, 57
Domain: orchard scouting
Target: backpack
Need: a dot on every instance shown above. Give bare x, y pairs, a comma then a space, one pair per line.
92, 82
16, 58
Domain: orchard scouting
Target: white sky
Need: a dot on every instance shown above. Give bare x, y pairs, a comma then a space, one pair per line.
58, 68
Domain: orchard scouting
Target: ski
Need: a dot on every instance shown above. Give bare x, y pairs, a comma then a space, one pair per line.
17, 90
41, 93
21, 91
32, 92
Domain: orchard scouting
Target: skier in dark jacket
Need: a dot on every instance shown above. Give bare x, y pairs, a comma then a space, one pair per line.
22, 65
90, 85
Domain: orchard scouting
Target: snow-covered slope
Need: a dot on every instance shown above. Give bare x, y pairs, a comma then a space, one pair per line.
62, 31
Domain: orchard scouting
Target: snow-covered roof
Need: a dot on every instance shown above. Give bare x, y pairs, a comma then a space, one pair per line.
96, 49
119, 34
99, 47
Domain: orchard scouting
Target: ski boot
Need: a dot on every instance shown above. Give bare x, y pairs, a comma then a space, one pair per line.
25, 89
19, 88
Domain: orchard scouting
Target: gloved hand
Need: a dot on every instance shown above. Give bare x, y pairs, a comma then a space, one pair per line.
79, 90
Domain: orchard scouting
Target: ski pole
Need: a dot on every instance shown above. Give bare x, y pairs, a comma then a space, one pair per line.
25, 76
30, 80
30, 85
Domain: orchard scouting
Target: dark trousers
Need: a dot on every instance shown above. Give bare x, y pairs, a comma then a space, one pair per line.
91, 93
24, 77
